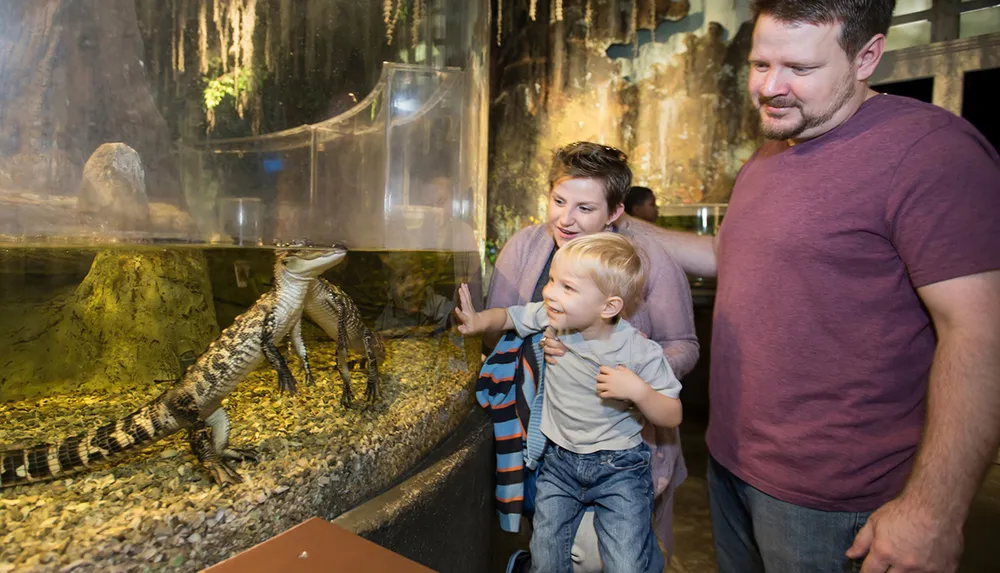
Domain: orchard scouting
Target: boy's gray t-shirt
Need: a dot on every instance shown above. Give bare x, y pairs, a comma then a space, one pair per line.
573, 415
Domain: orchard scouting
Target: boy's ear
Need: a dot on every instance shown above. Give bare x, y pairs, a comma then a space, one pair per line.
613, 306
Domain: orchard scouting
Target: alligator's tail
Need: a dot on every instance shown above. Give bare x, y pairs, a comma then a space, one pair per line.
49, 461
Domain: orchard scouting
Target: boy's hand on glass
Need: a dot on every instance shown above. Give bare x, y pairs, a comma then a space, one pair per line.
470, 323
620, 383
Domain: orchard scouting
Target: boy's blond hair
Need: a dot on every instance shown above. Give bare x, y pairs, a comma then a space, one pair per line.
612, 261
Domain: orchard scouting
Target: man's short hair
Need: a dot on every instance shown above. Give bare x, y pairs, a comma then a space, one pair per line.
612, 261
586, 160
637, 195
861, 19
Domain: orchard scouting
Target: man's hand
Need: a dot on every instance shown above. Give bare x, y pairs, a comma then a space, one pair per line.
903, 538
471, 322
621, 383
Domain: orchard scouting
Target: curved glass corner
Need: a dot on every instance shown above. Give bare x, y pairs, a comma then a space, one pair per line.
244, 122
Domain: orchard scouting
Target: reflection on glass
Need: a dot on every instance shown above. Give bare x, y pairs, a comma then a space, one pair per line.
907, 35
285, 102
910, 6
979, 22
239, 220
703, 218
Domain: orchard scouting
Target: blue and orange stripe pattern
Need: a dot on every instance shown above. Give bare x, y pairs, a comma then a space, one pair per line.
508, 387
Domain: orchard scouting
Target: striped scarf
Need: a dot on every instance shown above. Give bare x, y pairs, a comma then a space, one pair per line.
510, 387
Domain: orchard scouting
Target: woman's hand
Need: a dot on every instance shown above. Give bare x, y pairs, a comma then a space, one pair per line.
551, 345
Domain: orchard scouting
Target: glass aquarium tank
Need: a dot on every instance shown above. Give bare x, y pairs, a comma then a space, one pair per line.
700, 218
231, 234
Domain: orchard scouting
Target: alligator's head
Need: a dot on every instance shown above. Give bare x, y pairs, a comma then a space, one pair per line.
302, 259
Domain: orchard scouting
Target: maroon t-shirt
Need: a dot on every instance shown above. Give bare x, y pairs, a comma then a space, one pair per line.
821, 349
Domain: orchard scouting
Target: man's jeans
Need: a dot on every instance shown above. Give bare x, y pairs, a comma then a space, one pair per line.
620, 487
756, 533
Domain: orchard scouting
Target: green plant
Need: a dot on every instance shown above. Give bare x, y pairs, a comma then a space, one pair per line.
236, 84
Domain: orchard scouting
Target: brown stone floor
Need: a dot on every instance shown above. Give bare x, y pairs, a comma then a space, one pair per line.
693, 549
693, 531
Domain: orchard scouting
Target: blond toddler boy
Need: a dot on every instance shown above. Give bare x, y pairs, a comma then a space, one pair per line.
596, 399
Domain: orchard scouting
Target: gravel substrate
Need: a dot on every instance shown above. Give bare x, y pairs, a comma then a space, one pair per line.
157, 510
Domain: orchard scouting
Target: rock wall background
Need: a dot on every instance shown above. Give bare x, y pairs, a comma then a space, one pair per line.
71, 79
662, 80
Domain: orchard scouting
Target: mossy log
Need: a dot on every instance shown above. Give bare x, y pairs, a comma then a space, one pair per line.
127, 323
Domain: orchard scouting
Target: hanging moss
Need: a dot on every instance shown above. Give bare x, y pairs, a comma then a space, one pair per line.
387, 18
259, 65
203, 37
418, 12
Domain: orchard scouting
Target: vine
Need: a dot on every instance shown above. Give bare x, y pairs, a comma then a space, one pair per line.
229, 48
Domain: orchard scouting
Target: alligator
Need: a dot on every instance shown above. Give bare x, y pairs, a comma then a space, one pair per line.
330, 307
194, 403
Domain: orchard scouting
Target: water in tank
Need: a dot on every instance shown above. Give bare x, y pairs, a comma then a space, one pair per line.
231, 233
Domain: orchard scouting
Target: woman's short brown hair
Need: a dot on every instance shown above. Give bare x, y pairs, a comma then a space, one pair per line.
586, 160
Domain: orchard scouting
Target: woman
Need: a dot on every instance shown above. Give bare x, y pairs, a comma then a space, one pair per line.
587, 187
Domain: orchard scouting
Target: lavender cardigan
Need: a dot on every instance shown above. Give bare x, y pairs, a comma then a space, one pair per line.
665, 315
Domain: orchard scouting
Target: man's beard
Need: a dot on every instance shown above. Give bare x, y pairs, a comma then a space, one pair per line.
773, 130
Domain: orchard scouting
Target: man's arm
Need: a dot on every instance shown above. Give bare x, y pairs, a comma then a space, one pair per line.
694, 253
921, 530
941, 218
962, 432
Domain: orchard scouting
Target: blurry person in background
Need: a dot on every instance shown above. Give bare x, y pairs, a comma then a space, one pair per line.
641, 204
412, 304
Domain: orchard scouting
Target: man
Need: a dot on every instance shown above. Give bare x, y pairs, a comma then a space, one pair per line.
641, 204
855, 376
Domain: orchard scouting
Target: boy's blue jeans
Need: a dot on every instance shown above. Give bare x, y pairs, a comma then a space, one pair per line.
619, 485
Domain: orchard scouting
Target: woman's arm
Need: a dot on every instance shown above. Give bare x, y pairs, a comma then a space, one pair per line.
503, 285
671, 312
506, 274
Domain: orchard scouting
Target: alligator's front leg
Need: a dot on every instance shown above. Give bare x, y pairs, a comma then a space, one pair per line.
347, 398
373, 392
285, 379
300, 349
